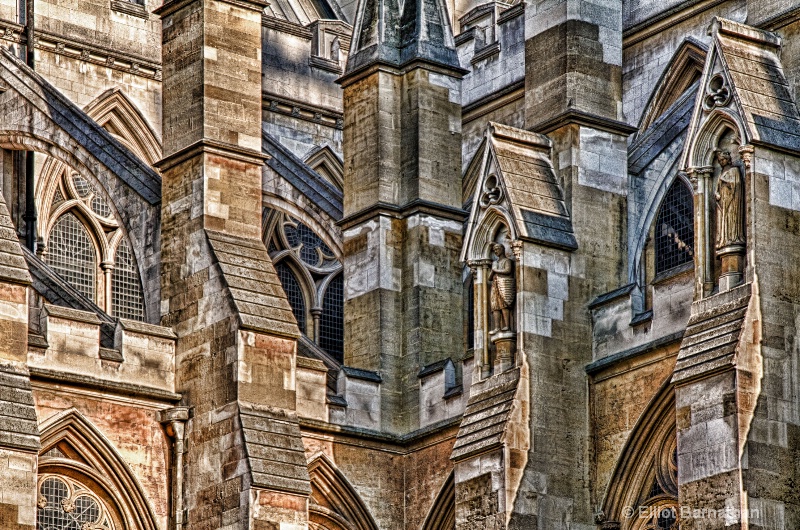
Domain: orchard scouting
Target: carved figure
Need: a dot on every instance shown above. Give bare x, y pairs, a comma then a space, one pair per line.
335, 49
503, 292
728, 195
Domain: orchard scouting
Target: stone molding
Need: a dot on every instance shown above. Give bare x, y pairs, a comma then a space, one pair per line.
83, 51
303, 111
401, 212
215, 147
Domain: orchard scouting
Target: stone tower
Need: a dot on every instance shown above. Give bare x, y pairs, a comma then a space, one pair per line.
235, 355
402, 201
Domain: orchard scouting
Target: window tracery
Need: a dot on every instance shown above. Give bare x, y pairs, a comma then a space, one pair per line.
311, 276
65, 504
84, 243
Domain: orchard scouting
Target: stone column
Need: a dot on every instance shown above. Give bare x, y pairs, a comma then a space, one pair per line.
402, 200
108, 270
573, 93
235, 353
480, 270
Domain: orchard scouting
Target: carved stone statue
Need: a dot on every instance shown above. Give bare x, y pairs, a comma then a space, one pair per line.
728, 195
503, 293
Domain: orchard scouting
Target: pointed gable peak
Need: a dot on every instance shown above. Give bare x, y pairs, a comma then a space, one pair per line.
743, 88
517, 186
426, 33
376, 35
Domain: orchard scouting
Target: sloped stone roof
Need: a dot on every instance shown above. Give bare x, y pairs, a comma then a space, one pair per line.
77, 124
762, 93
12, 263
274, 448
486, 415
534, 196
304, 179
651, 142
18, 426
713, 333
253, 284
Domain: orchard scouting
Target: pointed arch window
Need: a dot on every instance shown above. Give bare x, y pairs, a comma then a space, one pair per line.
65, 504
83, 483
331, 326
126, 292
72, 254
674, 229
293, 292
85, 244
311, 276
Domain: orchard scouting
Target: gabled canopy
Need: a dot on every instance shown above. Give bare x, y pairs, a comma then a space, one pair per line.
518, 187
743, 84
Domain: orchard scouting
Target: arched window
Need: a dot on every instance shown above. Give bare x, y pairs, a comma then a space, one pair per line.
331, 325
84, 483
65, 504
126, 291
85, 238
294, 293
674, 229
72, 254
311, 277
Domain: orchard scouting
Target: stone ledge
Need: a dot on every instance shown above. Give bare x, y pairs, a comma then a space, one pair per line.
127, 389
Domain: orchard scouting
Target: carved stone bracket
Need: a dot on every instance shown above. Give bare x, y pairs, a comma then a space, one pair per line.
516, 248
746, 153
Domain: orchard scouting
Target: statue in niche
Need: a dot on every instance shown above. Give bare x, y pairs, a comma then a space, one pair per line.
503, 293
728, 195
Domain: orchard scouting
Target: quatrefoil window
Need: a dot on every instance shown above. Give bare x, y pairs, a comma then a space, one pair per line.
68, 505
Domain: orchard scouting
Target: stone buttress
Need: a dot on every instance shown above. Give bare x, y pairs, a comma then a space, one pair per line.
402, 204
19, 430
235, 354
736, 383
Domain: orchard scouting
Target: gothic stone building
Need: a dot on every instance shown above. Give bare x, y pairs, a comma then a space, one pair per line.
399, 264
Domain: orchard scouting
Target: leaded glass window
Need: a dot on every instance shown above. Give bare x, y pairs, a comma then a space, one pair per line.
331, 324
84, 241
294, 293
313, 283
72, 254
65, 504
309, 246
126, 291
674, 230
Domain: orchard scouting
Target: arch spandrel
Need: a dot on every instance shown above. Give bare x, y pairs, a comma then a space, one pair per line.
85, 455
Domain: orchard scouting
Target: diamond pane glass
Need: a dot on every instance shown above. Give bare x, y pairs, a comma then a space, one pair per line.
82, 186
674, 236
100, 206
127, 300
294, 293
331, 323
72, 254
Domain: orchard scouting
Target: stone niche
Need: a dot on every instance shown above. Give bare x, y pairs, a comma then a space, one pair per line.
494, 275
518, 212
